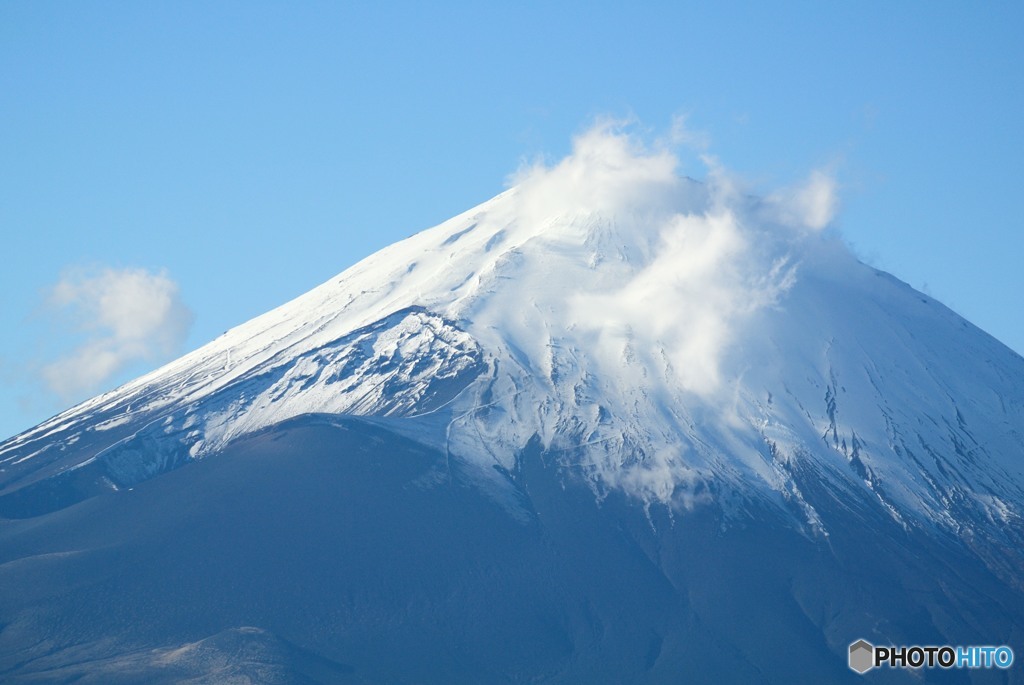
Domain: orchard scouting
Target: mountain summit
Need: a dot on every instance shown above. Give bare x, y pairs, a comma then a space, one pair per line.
637, 386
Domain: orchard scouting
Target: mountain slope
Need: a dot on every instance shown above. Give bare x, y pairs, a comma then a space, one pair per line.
327, 550
670, 335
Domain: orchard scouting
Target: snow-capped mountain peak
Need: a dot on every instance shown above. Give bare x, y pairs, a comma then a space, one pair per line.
678, 340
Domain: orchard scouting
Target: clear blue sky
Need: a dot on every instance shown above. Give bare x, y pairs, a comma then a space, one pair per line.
253, 150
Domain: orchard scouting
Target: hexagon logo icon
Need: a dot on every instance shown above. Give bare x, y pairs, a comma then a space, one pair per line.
862, 656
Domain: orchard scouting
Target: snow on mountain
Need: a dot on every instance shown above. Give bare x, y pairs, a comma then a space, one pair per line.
677, 340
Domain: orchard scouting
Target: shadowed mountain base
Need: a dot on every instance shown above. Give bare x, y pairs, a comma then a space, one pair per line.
325, 550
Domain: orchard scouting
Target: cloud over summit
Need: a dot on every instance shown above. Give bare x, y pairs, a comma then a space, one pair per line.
698, 258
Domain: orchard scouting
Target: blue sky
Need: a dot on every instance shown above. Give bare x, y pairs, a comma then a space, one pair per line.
230, 156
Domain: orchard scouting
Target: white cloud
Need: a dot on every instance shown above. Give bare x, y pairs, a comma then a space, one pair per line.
711, 275
621, 279
812, 204
683, 134
607, 171
124, 316
709, 252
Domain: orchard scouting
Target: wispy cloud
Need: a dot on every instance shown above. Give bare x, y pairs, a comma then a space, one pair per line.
812, 204
713, 253
676, 277
121, 315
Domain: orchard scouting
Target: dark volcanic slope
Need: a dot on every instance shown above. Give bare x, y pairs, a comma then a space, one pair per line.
331, 551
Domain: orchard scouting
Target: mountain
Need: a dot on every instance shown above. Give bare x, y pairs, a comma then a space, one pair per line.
613, 425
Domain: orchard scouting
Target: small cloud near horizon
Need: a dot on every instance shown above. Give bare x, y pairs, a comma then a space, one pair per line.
120, 316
